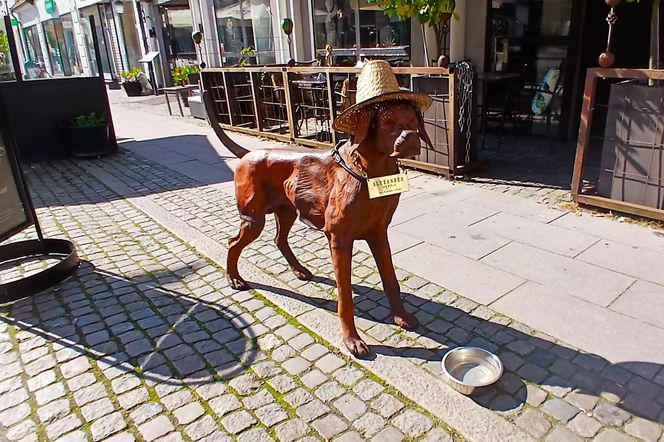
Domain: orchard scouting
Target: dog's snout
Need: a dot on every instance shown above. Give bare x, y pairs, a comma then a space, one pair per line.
407, 144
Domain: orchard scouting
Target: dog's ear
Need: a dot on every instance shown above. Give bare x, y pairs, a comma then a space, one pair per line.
366, 124
422, 131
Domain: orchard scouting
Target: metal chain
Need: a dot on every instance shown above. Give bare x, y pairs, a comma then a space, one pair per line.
464, 72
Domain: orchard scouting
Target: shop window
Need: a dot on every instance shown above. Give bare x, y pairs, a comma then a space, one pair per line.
130, 42
33, 50
6, 67
179, 29
336, 23
55, 43
379, 30
101, 38
529, 37
70, 46
242, 24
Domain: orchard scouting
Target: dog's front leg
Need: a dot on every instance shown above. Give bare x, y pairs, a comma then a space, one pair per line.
342, 251
380, 247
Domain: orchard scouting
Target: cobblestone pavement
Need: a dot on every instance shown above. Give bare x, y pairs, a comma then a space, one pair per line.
148, 341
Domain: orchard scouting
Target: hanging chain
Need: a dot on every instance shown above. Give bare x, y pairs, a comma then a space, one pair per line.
464, 73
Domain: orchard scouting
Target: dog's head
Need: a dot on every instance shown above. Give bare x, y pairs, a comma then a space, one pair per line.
393, 128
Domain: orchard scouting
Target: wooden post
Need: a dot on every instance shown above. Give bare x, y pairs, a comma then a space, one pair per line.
228, 100
587, 112
330, 99
289, 106
258, 114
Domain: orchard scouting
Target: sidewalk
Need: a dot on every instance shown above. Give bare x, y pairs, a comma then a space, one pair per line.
149, 342
499, 250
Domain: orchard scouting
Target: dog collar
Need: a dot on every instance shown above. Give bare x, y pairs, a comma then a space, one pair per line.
336, 156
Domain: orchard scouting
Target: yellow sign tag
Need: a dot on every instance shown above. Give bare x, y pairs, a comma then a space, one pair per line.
387, 185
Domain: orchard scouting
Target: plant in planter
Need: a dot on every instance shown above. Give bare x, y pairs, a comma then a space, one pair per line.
183, 75
130, 82
246, 55
87, 135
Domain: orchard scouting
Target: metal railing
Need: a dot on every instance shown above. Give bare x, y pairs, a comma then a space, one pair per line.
299, 105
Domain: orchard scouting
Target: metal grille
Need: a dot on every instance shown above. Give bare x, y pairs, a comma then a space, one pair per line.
273, 99
620, 155
311, 107
213, 82
301, 108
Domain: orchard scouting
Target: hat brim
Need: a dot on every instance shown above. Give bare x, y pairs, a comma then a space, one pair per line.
346, 121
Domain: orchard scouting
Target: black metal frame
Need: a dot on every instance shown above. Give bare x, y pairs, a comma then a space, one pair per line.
55, 274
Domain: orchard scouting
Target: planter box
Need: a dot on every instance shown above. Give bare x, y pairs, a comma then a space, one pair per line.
87, 142
132, 88
193, 78
632, 164
196, 107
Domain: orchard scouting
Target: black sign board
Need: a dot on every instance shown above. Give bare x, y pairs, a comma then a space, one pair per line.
15, 214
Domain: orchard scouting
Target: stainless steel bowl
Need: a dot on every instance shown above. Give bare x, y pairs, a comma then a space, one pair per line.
471, 370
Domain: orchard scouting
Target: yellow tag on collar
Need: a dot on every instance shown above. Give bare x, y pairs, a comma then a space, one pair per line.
387, 185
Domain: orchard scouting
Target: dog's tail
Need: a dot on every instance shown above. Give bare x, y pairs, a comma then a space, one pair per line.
228, 143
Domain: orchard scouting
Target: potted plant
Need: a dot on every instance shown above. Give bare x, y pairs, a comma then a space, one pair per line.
130, 82
87, 135
183, 75
247, 55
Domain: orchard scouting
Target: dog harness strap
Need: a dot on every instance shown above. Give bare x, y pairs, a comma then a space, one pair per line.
340, 161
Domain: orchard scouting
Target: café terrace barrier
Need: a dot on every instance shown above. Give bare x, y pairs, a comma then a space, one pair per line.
299, 104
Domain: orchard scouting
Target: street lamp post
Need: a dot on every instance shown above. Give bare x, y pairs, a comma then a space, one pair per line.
287, 27
197, 37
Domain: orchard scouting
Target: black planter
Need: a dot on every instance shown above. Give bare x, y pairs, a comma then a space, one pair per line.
132, 88
193, 78
87, 142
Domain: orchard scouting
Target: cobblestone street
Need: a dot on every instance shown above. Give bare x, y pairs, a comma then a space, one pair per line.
148, 342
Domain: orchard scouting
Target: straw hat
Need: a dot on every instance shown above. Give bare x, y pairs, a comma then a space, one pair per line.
376, 84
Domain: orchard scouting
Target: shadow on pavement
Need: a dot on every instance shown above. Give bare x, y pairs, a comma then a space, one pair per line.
528, 359
177, 172
151, 335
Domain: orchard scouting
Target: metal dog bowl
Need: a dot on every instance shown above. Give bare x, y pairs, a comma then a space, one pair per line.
470, 370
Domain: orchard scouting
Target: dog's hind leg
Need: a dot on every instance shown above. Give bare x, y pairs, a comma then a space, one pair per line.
285, 217
250, 228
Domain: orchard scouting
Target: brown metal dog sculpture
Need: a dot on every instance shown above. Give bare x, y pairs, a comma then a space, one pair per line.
329, 190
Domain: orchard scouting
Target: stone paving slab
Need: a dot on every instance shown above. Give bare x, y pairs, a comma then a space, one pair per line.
453, 238
475, 280
608, 228
455, 213
544, 236
596, 329
517, 207
630, 260
585, 281
643, 301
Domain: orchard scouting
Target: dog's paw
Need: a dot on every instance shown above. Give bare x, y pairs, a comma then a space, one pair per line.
303, 274
406, 320
356, 346
237, 283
